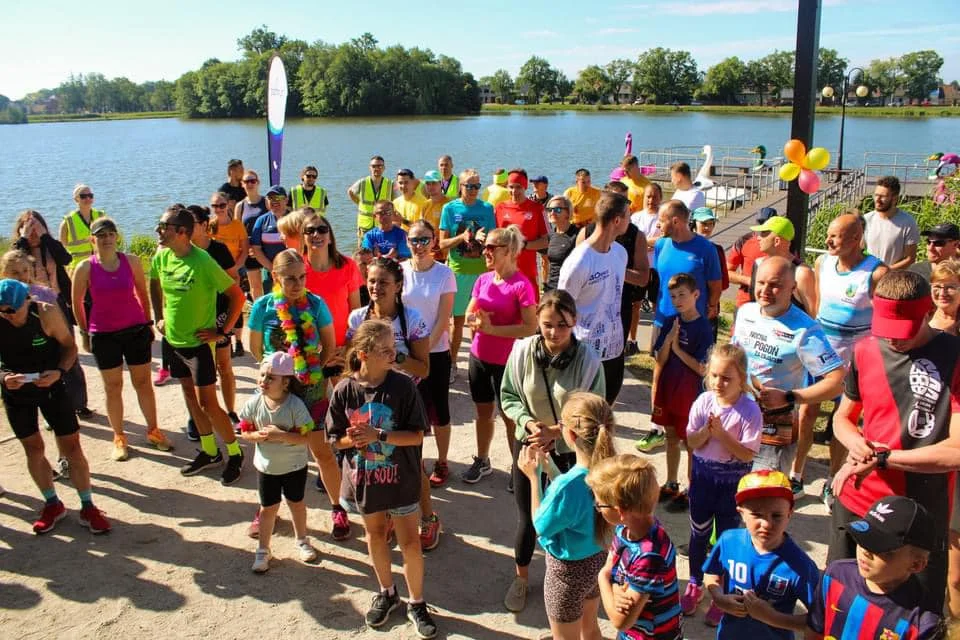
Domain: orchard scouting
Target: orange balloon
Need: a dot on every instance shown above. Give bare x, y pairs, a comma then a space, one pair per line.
796, 152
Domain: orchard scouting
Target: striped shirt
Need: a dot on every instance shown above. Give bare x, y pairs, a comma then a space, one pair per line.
649, 566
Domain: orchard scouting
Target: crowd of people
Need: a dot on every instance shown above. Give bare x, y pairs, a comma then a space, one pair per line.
357, 353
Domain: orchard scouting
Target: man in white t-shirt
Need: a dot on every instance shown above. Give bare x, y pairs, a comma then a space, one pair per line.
892, 234
685, 192
593, 274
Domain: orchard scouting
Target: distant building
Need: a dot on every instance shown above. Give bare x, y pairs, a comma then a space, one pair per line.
487, 96
50, 105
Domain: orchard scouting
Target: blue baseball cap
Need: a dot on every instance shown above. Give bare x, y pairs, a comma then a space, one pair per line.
703, 214
432, 176
12, 293
277, 190
765, 214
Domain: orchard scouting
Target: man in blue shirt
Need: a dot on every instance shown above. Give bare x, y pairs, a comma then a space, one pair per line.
386, 239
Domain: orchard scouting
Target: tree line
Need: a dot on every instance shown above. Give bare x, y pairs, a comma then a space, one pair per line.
664, 76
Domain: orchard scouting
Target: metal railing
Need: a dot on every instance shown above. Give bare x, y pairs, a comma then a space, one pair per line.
907, 167
849, 190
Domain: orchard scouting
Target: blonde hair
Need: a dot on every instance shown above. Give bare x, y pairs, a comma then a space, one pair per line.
512, 235
291, 225
466, 174
625, 481
366, 338
591, 419
286, 258
734, 354
14, 257
80, 187
945, 271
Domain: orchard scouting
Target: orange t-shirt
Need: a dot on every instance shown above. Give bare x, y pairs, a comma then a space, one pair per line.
335, 286
232, 234
528, 215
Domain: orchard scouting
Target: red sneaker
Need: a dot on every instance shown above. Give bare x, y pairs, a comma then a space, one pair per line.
341, 523
49, 517
92, 518
440, 474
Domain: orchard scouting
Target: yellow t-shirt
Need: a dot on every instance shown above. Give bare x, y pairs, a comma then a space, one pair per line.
410, 210
495, 194
232, 235
431, 213
584, 204
635, 191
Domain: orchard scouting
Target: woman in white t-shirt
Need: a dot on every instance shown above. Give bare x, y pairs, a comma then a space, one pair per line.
648, 221
429, 287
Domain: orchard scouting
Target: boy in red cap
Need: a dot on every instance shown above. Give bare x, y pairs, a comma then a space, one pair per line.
904, 382
756, 574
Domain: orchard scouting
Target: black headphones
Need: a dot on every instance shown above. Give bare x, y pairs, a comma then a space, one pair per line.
561, 361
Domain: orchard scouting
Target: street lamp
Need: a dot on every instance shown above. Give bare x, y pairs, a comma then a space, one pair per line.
828, 92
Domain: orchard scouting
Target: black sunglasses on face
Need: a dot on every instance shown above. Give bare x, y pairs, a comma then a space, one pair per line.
311, 175
163, 226
420, 242
556, 209
219, 205
85, 196
936, 242
321, 229
471, 187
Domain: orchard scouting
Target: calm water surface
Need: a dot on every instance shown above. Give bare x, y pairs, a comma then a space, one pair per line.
138, 167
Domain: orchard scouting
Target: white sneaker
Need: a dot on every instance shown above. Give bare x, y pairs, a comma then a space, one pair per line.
261, 561
307, 551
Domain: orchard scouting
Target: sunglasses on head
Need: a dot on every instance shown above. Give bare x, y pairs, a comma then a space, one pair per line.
420, 242
85, 196
320, 228
937, 242
471, 187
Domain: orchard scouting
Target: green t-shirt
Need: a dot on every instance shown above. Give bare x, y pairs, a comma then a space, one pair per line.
190, 286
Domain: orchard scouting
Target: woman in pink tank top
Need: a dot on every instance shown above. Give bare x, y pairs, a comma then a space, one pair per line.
120, 329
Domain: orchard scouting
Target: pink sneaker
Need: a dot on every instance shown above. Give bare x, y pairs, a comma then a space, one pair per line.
712, 619
162, 376
691, 599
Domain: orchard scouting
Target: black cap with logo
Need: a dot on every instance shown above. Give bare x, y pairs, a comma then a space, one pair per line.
892, 522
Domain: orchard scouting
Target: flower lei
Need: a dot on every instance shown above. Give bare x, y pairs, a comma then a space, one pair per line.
306, 357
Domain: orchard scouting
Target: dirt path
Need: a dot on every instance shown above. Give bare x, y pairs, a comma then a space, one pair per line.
178, 561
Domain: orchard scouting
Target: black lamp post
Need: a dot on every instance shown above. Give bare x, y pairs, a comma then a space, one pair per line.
828, 92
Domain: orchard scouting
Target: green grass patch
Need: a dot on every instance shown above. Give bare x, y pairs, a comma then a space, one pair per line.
88, 117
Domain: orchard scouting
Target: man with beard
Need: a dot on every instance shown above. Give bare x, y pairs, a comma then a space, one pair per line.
892, 234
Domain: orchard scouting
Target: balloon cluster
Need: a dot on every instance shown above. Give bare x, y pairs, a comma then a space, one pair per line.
803, 165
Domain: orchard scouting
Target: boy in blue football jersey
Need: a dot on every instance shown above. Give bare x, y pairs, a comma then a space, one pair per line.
756, 575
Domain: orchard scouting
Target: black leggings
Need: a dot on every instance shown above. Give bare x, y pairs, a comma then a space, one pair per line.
526, 537
613, 377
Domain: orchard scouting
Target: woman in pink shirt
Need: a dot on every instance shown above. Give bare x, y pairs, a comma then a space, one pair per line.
120, 329
502, 309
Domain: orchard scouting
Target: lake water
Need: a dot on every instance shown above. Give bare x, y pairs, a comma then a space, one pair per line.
138, 167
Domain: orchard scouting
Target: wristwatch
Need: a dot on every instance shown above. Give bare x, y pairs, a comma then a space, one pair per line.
381, 435
883, 454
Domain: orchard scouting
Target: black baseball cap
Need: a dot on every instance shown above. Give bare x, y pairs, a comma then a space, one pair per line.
946, 230
765, 214
101, 225
892, 522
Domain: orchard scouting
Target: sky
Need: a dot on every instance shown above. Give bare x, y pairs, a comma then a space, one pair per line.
42, 43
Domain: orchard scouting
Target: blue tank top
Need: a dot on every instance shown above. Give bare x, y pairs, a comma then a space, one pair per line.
846, 306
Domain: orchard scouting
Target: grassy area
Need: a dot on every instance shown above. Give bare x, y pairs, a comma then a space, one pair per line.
87, 117
881, 112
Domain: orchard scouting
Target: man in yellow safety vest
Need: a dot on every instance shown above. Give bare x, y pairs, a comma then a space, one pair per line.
307, 193
365, 193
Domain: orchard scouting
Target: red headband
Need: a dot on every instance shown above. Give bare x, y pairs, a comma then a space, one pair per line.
517, 177
899, 319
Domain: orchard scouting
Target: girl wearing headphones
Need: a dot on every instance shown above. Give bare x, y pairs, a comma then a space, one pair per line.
541, 372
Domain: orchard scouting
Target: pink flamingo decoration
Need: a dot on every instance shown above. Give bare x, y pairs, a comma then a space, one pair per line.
619, 173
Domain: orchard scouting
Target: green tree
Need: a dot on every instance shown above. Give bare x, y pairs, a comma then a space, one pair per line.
884, 76
564, 85
725, 80
779, 66
830, 69
501, 84
757, 77
591, 84
668, 75
538, 77
619, 71
73, 94
921, 73
259, 41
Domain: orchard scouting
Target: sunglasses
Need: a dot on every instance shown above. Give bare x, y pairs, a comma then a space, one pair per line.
250, 181
221, 205
376, 166
163, 226
600, 507
936, 243
310, 175
471, 187
85, 196
321, 229
277, 198
556, 209
420, 242
493, 247
7, 310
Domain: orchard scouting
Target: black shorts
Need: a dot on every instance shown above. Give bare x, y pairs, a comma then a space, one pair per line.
435, 389
53, 402
191, 362
485, 379
112, 348
252, 263
289, 485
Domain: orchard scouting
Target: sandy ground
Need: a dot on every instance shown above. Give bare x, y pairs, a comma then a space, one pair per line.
177, 562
